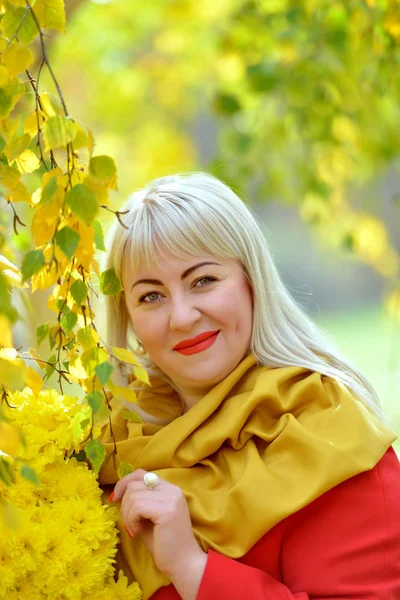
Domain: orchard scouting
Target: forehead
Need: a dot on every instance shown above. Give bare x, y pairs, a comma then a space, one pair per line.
167, 263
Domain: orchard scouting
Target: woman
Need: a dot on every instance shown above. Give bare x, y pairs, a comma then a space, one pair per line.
262, 468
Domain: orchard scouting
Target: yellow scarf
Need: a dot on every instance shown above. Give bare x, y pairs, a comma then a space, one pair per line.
258, 447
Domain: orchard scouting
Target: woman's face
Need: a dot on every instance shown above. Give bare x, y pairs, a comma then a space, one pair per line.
182, 299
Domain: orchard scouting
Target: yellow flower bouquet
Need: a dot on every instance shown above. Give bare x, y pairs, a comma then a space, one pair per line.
57, 540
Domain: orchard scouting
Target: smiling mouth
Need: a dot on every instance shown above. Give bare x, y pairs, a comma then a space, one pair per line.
200, 346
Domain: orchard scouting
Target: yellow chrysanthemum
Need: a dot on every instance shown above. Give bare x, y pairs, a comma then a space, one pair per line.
63, 541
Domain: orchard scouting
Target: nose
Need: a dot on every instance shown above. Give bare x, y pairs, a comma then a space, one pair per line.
183, 315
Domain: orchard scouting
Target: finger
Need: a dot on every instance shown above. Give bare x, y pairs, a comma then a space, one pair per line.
131, 500
151, 510
123, 483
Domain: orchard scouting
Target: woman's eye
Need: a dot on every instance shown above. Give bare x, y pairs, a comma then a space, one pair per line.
149, 298
204, 281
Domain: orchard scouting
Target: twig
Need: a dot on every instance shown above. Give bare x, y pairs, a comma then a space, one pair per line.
117, 213
16, 218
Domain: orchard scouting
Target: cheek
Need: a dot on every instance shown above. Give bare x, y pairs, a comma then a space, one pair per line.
148, 327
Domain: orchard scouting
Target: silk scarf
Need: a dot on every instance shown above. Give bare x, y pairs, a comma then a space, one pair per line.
259, 446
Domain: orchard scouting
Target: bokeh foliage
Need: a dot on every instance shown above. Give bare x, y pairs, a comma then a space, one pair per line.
299, 101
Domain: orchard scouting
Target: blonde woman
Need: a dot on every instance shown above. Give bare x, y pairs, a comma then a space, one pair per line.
263, 468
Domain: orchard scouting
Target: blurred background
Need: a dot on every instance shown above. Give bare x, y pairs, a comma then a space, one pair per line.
294, 105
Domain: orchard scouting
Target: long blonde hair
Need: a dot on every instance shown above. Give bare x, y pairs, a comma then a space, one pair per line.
197, 214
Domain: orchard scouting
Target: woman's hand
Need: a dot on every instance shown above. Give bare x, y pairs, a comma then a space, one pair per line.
162, 516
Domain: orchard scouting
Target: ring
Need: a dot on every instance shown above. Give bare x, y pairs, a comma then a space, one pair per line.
151, 480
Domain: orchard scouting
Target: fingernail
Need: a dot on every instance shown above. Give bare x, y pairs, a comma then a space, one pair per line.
111, 498
128, 532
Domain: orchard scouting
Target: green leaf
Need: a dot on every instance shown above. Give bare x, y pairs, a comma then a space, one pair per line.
96, 453
98, 235
131, 415
103, 169
49, 190
124, 469
80, 457
42, 332
6, 104
58, 132
29, 474
95, 400
82, 202
52, 360
110, 283
103, 371
78, 424
68, 322
6, 472
79, 291
6, 307
67, 239
11, 20
84, 423
225, 104
70, 344
32, 263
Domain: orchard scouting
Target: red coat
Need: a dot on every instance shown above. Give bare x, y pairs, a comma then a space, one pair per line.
343, 546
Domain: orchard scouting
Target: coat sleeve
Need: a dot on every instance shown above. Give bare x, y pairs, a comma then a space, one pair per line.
345, 545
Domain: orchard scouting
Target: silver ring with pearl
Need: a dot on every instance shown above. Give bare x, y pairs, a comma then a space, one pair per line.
151, 480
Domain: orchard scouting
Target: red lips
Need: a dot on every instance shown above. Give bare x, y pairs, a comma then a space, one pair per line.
196, 340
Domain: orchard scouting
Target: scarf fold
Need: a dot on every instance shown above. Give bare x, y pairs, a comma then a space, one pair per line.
258, 447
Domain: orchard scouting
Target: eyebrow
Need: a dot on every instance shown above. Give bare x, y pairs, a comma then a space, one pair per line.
183, 276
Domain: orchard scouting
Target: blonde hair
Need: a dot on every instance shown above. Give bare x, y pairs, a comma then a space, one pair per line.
197, 214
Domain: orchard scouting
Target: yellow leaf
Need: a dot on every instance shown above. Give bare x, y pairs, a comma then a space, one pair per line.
33, 380
88, 337
17, 58
10, 439
6, 337
14, 279
45, 278
141, 374
31, 124
58, 132
58, 174
51, 105
92, 358
37, 358
21, 193
37, 196
124, 469
57, 334
28, 162
3, 75
7, 264
51, 14
76, 369
16, 146
85, 250
45, 222
125, 356
126, 393
12, 369
10, 176
96, 267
